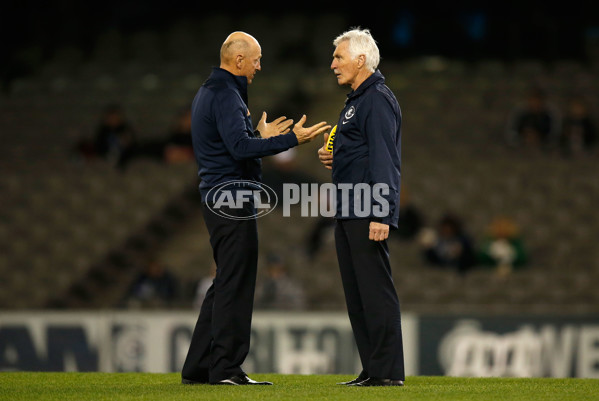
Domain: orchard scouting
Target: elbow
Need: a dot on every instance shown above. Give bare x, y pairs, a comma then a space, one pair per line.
237, 156
238, 153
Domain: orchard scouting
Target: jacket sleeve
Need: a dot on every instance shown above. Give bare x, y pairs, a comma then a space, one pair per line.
381, 129
230, 115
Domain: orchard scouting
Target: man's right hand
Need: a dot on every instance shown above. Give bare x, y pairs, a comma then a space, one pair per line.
279, 126
307, 134
324, 155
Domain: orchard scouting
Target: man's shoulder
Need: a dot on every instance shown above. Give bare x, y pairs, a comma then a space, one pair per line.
380, 95
220, 92
218, 86
382, 91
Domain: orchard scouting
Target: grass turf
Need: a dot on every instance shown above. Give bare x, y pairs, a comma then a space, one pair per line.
17, 386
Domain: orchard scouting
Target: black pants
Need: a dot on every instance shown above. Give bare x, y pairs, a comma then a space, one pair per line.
221, 338
371, 299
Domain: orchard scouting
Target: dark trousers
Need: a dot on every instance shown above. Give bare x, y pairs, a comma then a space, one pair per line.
372, 303
221, 338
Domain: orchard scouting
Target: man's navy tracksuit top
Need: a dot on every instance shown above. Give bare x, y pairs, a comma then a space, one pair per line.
224, 143
367, 147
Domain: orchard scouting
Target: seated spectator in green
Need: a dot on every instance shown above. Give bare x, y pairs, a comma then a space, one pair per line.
503, 248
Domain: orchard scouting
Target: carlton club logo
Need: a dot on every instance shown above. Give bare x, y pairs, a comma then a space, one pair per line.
350, 113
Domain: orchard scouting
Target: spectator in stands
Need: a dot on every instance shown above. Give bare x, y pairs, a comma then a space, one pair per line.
115, 137
154, 286
503, 248
410, 218
178, 147
579, 134
534, 125
448, 246
175, 148
115, 141
278, 290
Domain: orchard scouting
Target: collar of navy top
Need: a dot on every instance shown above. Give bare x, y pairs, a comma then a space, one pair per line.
375, 77
238, 82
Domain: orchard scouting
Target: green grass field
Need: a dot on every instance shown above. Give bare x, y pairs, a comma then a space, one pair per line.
16, 386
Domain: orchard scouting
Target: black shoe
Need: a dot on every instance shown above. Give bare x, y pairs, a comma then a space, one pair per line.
357, 380
190, 382
374, 382
242, 380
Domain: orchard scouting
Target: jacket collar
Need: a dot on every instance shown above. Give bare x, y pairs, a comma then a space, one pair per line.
239, 83
376, 77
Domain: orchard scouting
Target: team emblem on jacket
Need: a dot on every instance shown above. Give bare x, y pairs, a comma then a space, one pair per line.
350, 113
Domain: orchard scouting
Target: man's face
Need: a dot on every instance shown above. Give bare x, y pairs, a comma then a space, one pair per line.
344, 67
251, 62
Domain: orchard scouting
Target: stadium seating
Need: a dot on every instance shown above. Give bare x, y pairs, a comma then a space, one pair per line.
63, 220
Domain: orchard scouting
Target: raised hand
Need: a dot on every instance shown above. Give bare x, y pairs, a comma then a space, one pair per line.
307, 134
277, 127
326, 157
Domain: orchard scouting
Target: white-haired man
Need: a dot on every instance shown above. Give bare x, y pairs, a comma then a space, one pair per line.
366, 156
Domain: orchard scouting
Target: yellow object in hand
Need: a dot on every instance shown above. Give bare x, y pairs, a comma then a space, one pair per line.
331, 139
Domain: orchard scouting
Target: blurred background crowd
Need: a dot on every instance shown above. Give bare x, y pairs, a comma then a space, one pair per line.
98, 184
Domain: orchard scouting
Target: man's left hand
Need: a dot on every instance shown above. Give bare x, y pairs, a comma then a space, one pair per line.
326, 157
378, 231
279, 126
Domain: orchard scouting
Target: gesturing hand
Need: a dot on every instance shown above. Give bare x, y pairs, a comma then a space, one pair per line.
378, 231
277, 127
326, 157
307, 134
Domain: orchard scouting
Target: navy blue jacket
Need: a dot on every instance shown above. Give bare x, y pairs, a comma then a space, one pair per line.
367, 149
224, 143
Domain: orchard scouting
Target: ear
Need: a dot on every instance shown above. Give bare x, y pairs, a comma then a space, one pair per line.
239, 61
361, 59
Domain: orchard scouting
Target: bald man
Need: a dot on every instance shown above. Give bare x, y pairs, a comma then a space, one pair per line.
227, 148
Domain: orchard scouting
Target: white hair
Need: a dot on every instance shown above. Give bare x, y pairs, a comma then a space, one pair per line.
361, 42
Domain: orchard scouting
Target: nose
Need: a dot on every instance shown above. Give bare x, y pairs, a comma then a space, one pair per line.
333, 65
